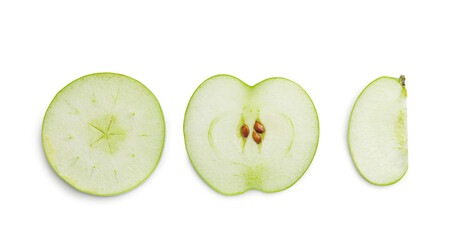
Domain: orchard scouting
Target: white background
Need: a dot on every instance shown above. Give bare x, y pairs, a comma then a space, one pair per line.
333, 49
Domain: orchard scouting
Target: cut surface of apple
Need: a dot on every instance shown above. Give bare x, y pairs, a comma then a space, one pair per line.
377, 134
104, 133
241, 137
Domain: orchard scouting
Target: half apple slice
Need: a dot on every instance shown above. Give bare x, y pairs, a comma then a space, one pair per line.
242, 137
104, 133
377, 132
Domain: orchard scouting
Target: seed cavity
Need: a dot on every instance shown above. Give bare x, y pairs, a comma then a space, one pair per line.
244, 130
259, 127
257, 138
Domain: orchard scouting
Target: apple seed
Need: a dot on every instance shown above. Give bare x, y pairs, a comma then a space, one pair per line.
257, 138
259, 127
244, 130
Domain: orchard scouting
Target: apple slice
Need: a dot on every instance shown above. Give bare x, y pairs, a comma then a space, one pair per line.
240, 137
104, 133
377, 134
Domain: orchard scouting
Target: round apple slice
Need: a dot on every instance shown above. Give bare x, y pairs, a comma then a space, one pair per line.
377, 134
240, 137
104, 133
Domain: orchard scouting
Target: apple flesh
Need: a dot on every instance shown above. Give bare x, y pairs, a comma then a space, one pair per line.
104, 133
270, 154
377, 133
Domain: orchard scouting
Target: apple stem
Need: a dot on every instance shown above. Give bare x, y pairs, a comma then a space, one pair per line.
402, 81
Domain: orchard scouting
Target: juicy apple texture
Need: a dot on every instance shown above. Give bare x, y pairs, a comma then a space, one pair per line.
227, 155
104, 133
377, 132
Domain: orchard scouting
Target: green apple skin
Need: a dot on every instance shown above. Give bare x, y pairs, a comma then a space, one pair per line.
252, 87
400, 82
95, 193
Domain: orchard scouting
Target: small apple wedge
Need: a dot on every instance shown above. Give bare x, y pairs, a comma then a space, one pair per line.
104, 133
241, 137
377, 132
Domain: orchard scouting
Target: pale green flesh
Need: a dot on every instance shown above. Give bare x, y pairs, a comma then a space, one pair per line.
232, 164
104, 133
378, 132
